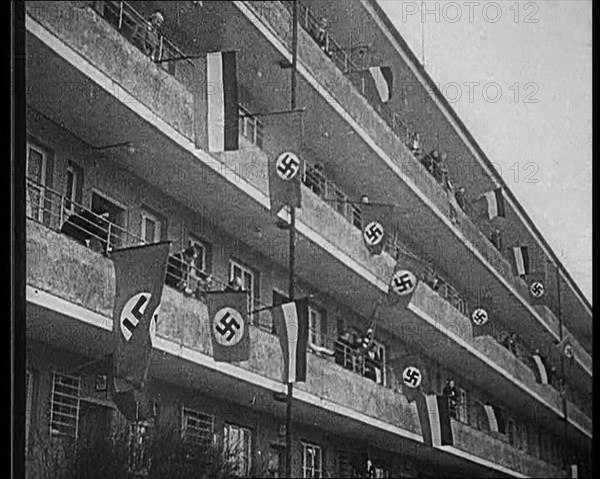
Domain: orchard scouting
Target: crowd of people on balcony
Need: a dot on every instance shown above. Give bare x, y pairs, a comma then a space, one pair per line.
88, 228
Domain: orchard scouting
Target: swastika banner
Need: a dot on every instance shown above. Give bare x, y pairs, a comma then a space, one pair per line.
139, 278
377, 225
228, 319
285, 176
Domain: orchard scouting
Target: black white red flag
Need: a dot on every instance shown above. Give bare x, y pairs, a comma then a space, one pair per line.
291, 321
222, 102
139, 276
229, 327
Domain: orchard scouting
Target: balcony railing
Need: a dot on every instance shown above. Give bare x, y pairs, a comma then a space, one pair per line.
137, 30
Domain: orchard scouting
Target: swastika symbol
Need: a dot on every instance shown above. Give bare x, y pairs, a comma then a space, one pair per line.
537, 289
569, 351
479, 316
287, 166
403, 282
373, 233
411, 376
228, 327
132, 313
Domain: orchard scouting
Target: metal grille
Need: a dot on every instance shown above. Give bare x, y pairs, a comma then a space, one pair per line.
197, 427
238, 442
64, 405
311, 460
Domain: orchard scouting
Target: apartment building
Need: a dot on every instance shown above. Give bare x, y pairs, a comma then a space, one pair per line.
113, 128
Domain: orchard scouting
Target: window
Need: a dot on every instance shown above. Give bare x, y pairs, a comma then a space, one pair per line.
36, 172
64, 405
511, 431
315, 319
238, 442
197, 428
462, 409
139, 460
115, 231
202, 259
311, 460
74, 186
28, 405
248, 280
250, 127
151, 227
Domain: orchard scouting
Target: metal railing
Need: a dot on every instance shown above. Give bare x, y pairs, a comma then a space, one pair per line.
139, 32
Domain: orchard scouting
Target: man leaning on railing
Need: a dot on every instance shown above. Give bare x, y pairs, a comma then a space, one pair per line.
147, 36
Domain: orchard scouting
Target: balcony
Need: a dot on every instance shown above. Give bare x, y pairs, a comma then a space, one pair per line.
129, 74
64, 269
468, 439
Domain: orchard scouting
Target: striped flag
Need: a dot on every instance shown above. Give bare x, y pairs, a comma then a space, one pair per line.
495, 204
292, 327
228, 319
434, 417
491, 415
521, 260
541, 376
383, 78
139, 276
222, 101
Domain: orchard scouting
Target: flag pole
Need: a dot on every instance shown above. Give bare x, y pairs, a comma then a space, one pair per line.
290, 385
562, 362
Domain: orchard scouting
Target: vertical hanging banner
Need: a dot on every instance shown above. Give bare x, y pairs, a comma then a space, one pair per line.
292, 328
222, 102
520, 260
383, 78
495, 204
139, 276
228, 318
285, 175
377, 221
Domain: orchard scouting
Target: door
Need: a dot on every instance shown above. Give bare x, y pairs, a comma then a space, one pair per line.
36, 180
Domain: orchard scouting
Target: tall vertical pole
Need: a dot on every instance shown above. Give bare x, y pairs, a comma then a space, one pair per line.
290, 385
562, 365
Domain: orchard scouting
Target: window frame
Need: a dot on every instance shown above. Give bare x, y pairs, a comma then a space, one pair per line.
146, 214
246, 458
208, 419
315, 329
233, 263
55, 432
29, 405
202, 248
40, 187
312, 468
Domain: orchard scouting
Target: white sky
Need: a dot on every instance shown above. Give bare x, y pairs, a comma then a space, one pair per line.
548, 53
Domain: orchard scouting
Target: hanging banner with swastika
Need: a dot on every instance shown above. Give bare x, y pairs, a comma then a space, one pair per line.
228, 320
377, 225
403, 282
285, 176
139, 278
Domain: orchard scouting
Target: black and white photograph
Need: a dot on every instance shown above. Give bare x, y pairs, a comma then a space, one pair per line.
301, 239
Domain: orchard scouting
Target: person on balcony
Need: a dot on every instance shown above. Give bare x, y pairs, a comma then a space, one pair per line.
438, 166
322, 37
459, 196
510, 343
147, 36
235, 284
414, 145
180, 270
496, 238
451, 394
89, 229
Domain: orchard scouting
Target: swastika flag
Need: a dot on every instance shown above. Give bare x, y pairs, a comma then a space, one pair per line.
228, 320
377, 225
285, 176
291, 320
139, 276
